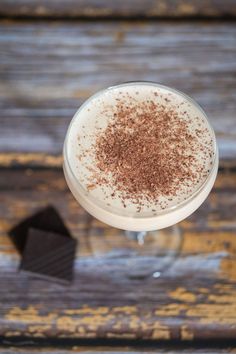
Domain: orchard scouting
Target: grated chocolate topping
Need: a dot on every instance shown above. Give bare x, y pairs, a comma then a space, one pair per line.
149, 150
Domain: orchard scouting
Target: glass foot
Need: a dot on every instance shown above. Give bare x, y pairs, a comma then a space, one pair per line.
142, 254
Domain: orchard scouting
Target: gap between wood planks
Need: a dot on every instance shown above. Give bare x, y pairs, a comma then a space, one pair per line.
231, 18
103, 345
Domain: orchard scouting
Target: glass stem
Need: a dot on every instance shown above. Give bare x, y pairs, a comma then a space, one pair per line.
139, 236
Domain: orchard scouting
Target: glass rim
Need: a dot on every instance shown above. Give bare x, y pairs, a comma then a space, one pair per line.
115, 210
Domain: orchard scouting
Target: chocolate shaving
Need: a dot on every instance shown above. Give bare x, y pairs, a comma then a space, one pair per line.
149, 150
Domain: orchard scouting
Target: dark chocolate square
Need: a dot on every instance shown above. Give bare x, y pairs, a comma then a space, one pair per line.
47, 254
47, 219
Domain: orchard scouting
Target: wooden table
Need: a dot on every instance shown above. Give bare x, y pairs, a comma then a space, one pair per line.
53, 56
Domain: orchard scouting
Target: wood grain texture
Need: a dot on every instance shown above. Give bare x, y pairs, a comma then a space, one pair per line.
193, 299
48, 69
33, 160
110, 9
118, 350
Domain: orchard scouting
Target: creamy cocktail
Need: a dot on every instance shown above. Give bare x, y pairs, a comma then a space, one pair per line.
140, 156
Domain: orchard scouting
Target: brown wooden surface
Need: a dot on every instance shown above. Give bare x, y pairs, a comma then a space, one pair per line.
121, 8
194, 299
48, 69
118, 350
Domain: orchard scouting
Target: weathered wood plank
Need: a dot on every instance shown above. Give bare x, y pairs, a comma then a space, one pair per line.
118, 350
105, 8
194, 299
48, 69
32, 160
